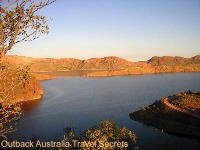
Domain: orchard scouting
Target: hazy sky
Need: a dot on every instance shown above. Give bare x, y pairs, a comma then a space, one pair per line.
132, 29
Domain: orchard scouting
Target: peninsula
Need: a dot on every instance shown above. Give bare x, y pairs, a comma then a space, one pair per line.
178, 114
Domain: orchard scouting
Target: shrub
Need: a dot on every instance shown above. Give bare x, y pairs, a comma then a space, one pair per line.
103, 134
12, 80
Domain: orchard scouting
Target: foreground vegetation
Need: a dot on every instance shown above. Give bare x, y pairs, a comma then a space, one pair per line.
105, 136
16, 85
19, 22
11, 80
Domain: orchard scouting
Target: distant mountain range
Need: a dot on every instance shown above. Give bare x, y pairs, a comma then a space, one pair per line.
109, 65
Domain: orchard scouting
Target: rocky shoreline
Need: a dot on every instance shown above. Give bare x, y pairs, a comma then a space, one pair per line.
168, 119
32, 91
37, 96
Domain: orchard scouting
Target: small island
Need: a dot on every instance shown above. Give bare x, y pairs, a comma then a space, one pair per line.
178, 114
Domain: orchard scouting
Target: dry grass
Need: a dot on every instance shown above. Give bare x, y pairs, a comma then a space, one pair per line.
188, 101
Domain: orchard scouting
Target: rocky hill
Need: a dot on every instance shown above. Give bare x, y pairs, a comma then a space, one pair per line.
175, 64
177, 114
169, 60
109, 65
66, 64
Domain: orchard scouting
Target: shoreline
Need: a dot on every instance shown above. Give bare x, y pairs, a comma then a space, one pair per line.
169, 119
54, 74
39, 92
46, 77
35, 98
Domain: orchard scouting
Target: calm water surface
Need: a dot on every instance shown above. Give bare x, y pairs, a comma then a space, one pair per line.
83, 102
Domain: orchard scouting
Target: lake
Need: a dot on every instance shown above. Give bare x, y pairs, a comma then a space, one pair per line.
83, 102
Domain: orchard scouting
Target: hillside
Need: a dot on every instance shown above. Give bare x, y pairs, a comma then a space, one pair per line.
175, 64
66, 64
18, 85
109, 65
178, 114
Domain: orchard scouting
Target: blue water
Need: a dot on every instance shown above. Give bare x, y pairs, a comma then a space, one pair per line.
83, 102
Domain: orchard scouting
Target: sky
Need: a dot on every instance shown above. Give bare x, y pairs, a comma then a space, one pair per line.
131, 29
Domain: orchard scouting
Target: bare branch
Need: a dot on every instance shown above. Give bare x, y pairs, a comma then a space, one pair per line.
19, 22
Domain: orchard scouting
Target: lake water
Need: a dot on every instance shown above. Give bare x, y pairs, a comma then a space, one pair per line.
83, 102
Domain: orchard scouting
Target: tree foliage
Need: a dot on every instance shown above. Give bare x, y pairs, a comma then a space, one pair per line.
105, 132
19, 22
12, 79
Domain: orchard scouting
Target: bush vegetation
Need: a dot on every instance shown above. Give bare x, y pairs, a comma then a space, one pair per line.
12, 81
106, 132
